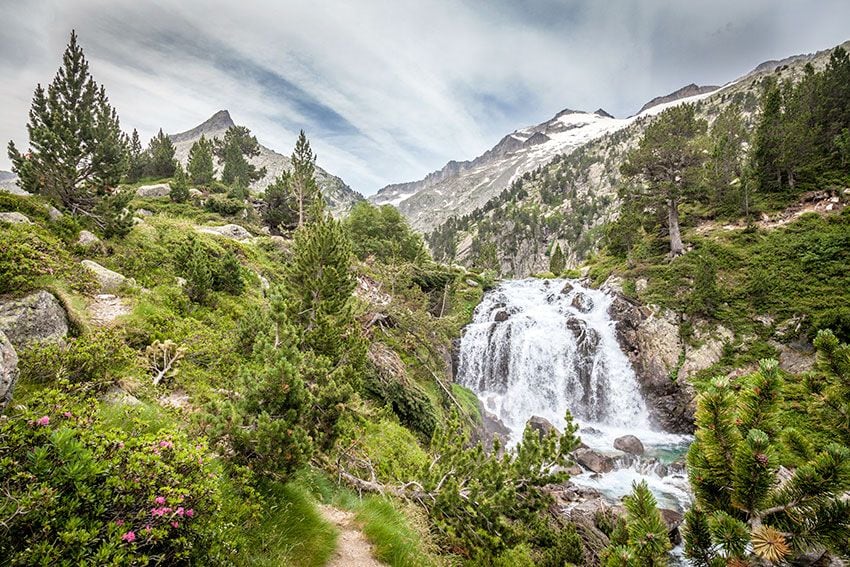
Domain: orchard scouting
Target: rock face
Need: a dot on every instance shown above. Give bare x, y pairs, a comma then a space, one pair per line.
8, 370
582, 302
110, 282
14, 217
629, 444
593, 461
38, 317
233, 231
651, 341
157, 190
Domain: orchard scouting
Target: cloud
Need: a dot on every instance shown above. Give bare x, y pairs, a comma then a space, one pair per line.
389, 90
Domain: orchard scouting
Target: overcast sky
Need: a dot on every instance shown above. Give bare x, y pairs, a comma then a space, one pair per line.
390, 90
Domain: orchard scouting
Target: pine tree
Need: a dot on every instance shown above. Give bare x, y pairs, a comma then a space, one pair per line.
137, 159
200, 167
278, 213
77, 151
179, 185
643, 540
557, 262
828, 388
232, 151
161, 162
304, 190
741, 509
668, 158
197, 271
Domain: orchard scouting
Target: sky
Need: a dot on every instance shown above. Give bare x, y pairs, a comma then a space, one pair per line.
388, 91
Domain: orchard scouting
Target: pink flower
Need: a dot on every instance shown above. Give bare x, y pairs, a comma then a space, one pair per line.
166, 444
160, 500
174, 524
180, 511
148, 528
45, 420
129, 536
190, 512
119, 522
68, 414
120, 444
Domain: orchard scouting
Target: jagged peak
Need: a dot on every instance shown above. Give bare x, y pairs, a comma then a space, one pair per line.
569, 111
219, 121
692, 89
601, 112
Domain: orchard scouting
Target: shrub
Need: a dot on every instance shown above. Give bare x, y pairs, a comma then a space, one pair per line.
83, 492
227, 274
223, 206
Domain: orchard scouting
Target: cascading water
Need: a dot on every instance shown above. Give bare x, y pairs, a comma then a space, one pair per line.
542, 347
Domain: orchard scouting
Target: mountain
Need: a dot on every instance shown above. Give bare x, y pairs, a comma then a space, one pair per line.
9, 183
460, 187
684, 92
565, 195
340, 197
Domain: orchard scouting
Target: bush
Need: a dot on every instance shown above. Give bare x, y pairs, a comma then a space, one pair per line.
384, 233
82, 492
223, 206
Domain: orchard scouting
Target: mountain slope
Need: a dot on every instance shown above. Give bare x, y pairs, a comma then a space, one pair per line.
340, 197
569, 199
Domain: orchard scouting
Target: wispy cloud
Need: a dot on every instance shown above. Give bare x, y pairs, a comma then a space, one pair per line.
390, 90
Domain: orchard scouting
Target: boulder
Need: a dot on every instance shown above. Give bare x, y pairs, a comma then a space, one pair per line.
87, 238
144, 212
195, 193
37, 317
15, 217
568, 287
582, 302
8, 370
54, 213
541, 425
672, 519
629, 444
233, 231
110, 282
501, 316
593, 461
157, 190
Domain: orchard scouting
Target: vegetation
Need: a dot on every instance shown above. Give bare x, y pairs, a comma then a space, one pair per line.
200, 167
233, 152
383, 234
641, 538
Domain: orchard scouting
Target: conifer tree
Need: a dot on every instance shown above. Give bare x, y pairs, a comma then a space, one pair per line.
642, 540
304, 190
557, 262
742, 511
668, 159
828, 388
179, 185
77, 151
200, 166
232, 152
278, 213
137, 158
161, 162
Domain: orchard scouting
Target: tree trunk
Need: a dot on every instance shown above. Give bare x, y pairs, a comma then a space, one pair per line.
676, 247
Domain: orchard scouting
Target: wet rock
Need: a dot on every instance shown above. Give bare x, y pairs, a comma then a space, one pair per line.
233, 231
672, 519
157, 190
629, 444
501, 316
568, 287
541, 425
15, 217
110, 282
574, 470
593, 461
491, 427
590, 431
582, 302
87, 238
8, 371
37, 317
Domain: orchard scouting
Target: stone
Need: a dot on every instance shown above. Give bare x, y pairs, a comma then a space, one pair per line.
501, 316
37, 317
144, 212
541, 425
87, 238
629, 444
672, 519
582, 302
54, 213
568, 287
575, 470
157, 190
641, 284
8, 371
119, 396
15, 217
593, 460
233, 231
110, 282
471, 282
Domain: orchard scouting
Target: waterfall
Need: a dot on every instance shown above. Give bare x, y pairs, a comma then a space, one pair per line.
542, 347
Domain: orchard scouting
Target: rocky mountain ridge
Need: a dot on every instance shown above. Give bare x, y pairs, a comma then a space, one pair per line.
340, 197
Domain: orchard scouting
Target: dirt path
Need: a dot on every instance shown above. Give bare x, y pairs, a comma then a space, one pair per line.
106, 308
352, 548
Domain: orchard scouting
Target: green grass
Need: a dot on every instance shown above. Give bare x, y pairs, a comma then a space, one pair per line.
291, 531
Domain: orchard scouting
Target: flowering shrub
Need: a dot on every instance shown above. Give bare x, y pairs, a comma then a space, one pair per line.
78, 491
